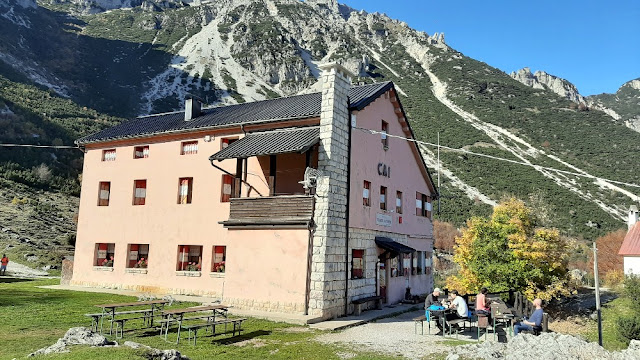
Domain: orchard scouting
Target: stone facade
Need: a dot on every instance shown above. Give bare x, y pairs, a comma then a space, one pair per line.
326, 298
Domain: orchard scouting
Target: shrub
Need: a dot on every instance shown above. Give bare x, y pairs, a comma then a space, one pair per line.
629, 328
632, 291
613, 278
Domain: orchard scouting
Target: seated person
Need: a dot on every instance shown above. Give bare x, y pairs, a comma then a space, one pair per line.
534, 320
482, 303
457, 303
432, 299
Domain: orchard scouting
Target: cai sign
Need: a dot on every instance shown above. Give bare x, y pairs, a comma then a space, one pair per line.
383, 220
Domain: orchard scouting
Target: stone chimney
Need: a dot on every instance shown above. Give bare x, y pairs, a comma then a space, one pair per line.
633, 216
328, 283
192, 108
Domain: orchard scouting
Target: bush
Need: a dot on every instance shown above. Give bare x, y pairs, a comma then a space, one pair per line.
613, 278
629, 328
632, 291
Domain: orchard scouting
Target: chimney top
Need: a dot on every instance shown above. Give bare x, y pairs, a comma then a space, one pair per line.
192, 107
338, 68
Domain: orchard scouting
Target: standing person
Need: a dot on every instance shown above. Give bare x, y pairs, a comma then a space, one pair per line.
482, 303
457, 303
534, 320
3, 264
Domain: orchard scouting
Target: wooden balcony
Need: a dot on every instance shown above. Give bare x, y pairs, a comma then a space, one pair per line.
268, 211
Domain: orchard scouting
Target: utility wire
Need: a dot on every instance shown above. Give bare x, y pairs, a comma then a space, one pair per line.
537, 167
40, 146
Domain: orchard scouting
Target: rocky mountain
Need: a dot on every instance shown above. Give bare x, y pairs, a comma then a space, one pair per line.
100, 60
542, 80
623, 106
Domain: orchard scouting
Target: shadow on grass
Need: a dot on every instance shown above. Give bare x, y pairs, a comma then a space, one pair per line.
12, 279
239, 338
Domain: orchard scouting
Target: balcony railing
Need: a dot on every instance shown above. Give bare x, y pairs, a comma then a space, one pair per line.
290, 210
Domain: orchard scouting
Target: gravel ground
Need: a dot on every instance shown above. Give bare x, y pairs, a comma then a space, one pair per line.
395, 336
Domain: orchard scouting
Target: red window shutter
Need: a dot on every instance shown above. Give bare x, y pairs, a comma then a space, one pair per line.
227, 187
183, 257
418, 204
139, 192
104, 193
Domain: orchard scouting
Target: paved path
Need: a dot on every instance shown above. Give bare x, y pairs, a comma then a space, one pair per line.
365, 317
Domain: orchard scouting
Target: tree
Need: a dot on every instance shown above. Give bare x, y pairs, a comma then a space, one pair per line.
508, 251
608, 247
445, 235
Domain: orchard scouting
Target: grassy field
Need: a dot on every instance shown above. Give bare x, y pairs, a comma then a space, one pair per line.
32, 318
610, 314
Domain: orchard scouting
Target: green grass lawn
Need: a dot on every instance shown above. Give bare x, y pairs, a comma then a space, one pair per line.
610, 314
32, 318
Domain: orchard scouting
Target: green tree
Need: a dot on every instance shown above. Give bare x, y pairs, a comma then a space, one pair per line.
507, 251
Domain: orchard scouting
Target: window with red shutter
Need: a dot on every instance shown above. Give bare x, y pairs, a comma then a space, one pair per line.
185, 189
227, 188
383, 198
226, 142
366, 193
357, 264
109, 155
139, 192
385, 131
189, 258
105, 253
141, 152
138, 256
399, 202
104, 193
189, 148
218, 264
418, 204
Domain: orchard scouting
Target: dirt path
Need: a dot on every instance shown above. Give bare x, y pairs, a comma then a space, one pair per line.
15, 269
394, 336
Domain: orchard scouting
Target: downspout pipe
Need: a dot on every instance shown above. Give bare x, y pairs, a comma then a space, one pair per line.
228, 173
346, 217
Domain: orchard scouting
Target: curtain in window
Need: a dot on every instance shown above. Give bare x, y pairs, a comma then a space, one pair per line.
184, 191
418, 204
109, 155
190, 148
219, 258
103, 195
140, 192
227, 187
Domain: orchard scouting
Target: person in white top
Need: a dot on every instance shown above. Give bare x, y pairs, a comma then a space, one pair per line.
457, 303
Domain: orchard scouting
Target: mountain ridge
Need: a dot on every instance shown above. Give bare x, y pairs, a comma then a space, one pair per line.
244, 50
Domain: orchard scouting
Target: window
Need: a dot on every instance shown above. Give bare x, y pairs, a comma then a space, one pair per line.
218, 263
427, 262
141, 152
414, 263
138, 256
383, 198
109, 155
399, 202
105, 253
393, 266
406, 264
419, 262
189, 148
189, 258
357, 264
423, 205
103, 193
185, 189
226, 142
227, 188
139, 192
366, 194
385, 131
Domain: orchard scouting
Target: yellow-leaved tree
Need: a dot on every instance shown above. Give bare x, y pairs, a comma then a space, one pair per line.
508, 252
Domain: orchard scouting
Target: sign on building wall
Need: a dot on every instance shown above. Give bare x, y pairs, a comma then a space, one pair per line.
383, 220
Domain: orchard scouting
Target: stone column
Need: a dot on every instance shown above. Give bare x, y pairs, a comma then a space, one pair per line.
328, 262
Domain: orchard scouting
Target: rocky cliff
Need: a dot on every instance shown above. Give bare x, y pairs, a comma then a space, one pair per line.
542, 80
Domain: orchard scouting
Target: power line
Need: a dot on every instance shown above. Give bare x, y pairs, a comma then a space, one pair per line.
40, 146
537, 167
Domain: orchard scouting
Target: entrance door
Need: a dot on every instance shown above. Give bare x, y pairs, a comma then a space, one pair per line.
382, 281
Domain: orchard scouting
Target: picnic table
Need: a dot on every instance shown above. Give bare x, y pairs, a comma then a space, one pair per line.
501, 313
177, 315
147, 314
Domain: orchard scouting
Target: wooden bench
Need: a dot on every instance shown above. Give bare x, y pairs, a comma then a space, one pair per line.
121, 322
237, 326
421, 320
362, 301
456, 322
95, 320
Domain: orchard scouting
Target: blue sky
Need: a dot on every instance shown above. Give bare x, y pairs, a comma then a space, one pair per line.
593, 44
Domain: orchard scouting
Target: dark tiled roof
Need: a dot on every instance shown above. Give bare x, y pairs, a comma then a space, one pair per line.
286, 108
270, 143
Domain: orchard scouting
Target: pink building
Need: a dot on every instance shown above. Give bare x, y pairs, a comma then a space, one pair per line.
285, 205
